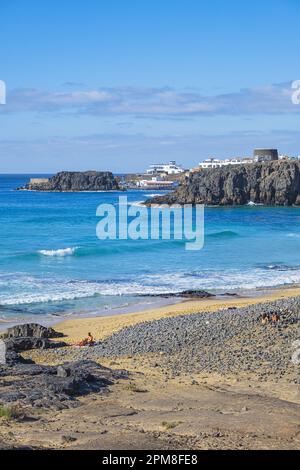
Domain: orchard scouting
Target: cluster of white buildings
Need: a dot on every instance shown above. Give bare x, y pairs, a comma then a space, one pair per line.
160, 172
259, 156
216, 163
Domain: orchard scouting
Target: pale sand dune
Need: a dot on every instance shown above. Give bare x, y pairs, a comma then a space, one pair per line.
101, 327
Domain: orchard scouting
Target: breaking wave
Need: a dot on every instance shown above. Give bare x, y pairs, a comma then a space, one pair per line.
60, 252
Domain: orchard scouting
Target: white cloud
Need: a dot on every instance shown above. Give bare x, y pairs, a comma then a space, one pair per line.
154, 102
121, 153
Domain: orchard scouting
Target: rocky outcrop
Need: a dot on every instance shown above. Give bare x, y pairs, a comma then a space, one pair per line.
24, 338
186, 294
32, 330
67, 181
272, 183
54, 387
27, 343
43, 386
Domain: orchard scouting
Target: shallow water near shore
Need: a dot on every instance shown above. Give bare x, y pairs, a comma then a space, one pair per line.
52, 264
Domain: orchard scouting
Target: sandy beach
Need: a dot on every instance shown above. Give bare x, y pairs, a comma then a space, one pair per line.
166, 401
101, 327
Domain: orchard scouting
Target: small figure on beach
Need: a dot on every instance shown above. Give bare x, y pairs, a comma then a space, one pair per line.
89, 341
275, 317
265, 319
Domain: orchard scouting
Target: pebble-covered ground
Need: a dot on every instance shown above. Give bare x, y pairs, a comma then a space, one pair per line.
232, 340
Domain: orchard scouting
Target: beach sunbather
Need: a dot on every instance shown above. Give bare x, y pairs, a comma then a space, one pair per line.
89, 341
275, 317
265, 319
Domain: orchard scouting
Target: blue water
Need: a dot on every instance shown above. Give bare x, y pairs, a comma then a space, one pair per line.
245, 248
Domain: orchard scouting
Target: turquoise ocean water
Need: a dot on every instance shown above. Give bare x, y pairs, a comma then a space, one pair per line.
52, 263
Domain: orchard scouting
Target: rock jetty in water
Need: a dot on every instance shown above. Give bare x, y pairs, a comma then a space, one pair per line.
67, 181
273, 183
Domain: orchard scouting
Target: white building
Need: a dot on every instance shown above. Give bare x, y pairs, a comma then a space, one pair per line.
216, 163
170, 168
155, 183
211, 163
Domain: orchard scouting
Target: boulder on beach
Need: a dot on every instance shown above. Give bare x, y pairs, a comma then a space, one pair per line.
27, 343
31, 330
24, 338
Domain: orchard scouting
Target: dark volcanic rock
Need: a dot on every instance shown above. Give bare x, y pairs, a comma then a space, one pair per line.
272, 183
189, 294
12, 358
193, 294
27, 343
31, 330
25, 337
46, 387
76, 181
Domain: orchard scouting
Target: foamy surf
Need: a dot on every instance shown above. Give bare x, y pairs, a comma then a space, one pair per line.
60, 252
251, 203
30, 290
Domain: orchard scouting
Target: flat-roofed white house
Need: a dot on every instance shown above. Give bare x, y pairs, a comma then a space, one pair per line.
170, 168
211, 163
156, 182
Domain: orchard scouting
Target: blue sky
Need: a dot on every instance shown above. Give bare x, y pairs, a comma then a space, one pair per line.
118, 84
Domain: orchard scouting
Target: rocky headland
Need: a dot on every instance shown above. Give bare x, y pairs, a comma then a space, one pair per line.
273, 183
67, 181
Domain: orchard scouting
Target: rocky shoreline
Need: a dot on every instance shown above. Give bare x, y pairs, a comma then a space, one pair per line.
272, 183
186, 294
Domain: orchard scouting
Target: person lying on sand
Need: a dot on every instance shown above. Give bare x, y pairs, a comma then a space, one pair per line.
89, 341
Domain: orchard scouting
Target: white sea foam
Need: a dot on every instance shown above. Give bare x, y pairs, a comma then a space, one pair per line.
231, 279
57, 291
251, 203
137, 203
60, 252
32, 290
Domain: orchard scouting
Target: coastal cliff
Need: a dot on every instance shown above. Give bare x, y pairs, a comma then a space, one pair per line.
66, 181
273, 183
